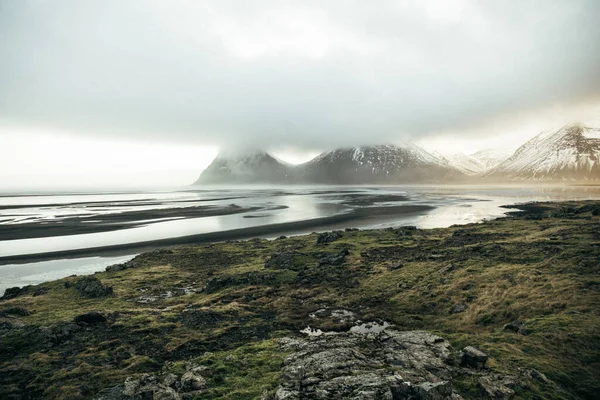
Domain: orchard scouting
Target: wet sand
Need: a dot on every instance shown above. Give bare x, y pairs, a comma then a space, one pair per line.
354, 218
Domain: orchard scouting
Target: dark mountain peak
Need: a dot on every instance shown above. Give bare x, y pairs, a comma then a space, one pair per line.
244, 166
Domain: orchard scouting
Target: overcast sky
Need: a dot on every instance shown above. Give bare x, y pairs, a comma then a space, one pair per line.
102, 92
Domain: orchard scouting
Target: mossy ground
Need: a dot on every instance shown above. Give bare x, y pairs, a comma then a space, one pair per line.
541, 267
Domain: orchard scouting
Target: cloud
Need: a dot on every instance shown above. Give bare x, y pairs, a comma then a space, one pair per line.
285, 73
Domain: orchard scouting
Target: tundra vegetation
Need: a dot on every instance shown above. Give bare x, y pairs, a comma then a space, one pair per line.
224, 320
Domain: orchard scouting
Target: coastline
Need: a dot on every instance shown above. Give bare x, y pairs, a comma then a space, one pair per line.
510, 288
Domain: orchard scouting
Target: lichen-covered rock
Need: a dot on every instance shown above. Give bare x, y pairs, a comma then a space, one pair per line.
472, 357
349, 365
90, 286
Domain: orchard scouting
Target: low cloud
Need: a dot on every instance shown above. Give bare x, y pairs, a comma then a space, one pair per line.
307, 75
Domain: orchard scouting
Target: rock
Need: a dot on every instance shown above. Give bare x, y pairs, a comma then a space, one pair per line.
68, 284
116, 267
328, 237
10, 323
40, 291
538, 376
281, 260
172, 381
458, 308
282, 237
334, 259
90, 318
192, 381
13, 292
472, 357
513, 326
90, 286
147, 387
497, 386
16, 311
384, 365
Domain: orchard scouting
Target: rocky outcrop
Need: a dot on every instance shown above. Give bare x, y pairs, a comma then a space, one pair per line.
328, 237
90, 318
388, 364
90, 286
167, 387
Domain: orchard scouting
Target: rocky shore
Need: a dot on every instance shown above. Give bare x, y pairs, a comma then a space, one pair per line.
497, 310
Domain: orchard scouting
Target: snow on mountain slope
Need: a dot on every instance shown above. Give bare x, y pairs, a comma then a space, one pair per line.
376, 164
570, 153
490, 158
252, 166
465, 163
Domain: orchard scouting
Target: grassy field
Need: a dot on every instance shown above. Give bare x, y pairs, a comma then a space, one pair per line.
223, 305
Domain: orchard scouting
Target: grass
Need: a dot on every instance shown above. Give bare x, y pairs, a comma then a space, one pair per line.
540, 267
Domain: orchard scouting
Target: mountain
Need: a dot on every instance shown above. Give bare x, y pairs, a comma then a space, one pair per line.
254, 166
465, 163
376, 164
489, 158
570, 153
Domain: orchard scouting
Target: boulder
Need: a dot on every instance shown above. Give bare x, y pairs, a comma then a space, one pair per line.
328, 237
383, 364
472, 357
90, 286
90, 318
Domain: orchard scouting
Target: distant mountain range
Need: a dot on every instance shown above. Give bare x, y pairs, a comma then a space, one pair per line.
568, 154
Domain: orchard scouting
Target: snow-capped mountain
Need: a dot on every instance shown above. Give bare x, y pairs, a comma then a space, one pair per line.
254, 166
489, 158
465, 163
570, 153
376, 164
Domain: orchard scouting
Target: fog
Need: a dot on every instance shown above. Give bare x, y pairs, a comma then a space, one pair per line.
296, 77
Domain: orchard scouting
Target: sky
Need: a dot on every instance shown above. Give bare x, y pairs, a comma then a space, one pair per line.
131, 92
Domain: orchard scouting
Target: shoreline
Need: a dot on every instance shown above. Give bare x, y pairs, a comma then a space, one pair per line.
340, 221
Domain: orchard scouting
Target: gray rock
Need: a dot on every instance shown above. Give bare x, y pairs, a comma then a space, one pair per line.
116, 267
538, 376
192, 381
384, 365
498, 386
328, 237
147, 387
472, 357
90, 286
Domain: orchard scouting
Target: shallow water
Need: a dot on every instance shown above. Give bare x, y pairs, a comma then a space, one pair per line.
445, 206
